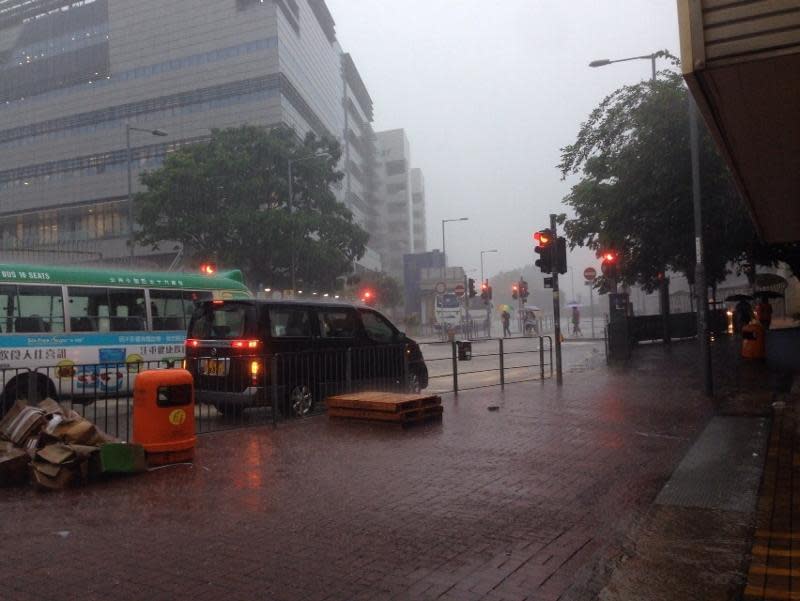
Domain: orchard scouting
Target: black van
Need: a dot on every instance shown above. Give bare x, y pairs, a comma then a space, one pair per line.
315, 348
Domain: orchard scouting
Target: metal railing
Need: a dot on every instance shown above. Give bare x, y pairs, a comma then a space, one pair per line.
259, 389
530, 358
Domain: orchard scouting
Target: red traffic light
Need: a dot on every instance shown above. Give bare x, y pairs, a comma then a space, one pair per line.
208, 269
610, 257
543, 237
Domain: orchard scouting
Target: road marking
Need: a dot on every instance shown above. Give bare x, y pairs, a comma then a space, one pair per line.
769, 593
770, 571
777, 535
762, 550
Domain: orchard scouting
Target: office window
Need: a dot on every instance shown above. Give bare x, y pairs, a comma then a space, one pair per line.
395, 167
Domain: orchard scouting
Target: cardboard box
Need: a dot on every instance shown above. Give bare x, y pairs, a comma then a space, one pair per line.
13, 464
54, 467
51, 408
21, 422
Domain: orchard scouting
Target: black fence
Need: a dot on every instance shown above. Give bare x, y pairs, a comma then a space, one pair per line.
259, 389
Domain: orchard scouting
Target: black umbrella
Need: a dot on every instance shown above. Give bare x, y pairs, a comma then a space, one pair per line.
735, 298
768, 294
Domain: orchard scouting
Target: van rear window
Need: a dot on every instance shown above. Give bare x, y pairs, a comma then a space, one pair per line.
289, 323
224, 321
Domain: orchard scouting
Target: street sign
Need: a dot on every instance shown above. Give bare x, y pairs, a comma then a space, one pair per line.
441, 287
459, 289
590, 273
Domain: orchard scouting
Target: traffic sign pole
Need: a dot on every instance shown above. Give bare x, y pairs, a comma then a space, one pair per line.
556, 306
590, 273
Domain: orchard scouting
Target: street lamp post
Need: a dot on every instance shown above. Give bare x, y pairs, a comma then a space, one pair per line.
444, 252
488, 307
128, 129
485, 252
291, 209
651, 57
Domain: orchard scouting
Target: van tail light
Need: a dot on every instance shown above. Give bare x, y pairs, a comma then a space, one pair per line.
192, 343
255, 369
245, 344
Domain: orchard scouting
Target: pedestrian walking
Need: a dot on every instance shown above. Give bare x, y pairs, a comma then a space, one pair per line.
742, 314
506, 318
764, 312
576, 322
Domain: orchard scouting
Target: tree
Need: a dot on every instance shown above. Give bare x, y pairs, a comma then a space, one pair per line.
227, 199
388, 291
635, 191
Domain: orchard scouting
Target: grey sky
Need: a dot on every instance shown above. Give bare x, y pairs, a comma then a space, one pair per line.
488, 92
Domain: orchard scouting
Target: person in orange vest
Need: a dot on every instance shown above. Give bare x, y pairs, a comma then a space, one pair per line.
764, 312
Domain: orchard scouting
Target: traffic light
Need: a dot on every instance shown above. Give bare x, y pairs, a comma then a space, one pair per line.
485, 291
609, 264
544, 248
561, 255
471, 288
208, 269
368, 297
515, 290
523, 290
490, 290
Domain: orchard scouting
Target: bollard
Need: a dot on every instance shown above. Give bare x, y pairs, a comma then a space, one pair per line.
274, 376
502, 366
455, 367
541, 357
406, 387
348, 376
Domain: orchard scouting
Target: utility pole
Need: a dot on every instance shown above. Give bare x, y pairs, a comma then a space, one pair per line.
556, 301
699, 269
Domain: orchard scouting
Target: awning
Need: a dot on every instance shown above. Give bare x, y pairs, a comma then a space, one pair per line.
741, 60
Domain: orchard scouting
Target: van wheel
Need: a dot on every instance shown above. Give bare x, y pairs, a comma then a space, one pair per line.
300, 401
8, 398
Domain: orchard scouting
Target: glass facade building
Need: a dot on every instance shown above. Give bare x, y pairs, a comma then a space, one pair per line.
74, 74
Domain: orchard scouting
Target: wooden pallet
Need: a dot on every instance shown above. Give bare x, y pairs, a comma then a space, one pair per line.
386, 407
382, 402
404, 417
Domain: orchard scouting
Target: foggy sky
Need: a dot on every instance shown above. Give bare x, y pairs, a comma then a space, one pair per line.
488, 93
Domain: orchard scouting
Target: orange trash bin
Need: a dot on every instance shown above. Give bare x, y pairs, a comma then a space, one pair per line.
753, 342
163, 415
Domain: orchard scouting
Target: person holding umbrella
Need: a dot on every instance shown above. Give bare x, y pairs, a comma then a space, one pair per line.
763, 308
742, 312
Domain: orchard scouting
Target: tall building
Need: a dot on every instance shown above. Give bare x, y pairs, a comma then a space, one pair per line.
418, 210
361, 193
75, 73
394, 161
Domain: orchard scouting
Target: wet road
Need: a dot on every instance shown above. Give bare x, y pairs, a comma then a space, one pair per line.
522, 362
542, 499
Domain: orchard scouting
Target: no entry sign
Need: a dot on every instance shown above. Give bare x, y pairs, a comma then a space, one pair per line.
590, 273
459, 289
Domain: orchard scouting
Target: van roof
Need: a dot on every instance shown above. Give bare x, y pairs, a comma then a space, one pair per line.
304, 302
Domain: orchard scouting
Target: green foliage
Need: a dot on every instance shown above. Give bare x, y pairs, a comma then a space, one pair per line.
228, 200
635, 191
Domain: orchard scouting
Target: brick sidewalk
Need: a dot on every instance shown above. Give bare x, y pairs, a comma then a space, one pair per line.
774, 572
534, 501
